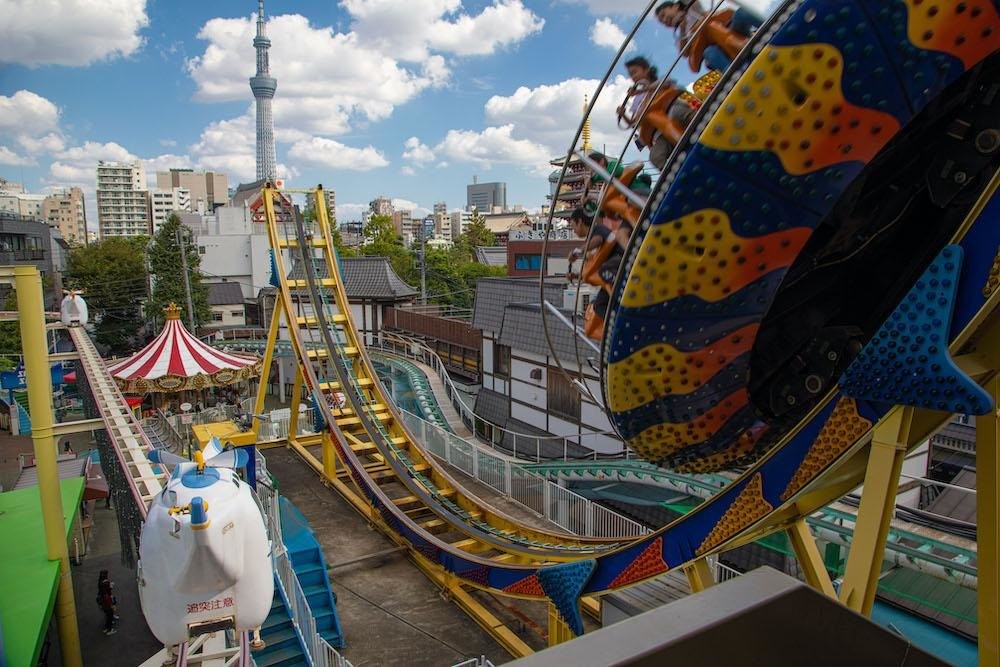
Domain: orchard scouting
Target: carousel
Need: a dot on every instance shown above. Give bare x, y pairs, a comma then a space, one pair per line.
177, 363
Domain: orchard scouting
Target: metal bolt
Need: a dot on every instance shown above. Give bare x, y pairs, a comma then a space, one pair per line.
960, 177
832, 355
988, 141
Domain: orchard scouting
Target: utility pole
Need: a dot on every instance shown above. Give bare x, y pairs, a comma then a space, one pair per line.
187, 280
423, 264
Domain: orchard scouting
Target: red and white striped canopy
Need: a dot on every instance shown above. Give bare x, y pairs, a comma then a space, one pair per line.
176, 360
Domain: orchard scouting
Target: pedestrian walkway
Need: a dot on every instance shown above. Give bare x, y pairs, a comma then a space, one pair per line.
441, 394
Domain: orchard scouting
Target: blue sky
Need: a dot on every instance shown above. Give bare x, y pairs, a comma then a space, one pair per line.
408, 98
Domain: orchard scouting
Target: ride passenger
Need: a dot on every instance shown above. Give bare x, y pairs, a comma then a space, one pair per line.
645, 85
600, 237
684, 16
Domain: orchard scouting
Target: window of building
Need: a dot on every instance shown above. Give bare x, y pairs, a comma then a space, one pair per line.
528, 262
236, 313
501, 361
563, 397
201, 250
216, 316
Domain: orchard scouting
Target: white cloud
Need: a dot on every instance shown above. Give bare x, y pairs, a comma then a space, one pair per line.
326, 81
9, 157
416, 151
228, 146
415, 209
78, 165
407, 170
350, 212
494, 145
605, 33
330, 154
547, 115
411, 30
168, 143
69, 32
32, 121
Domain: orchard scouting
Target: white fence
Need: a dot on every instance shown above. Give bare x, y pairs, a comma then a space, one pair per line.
319, 652
561, 506
523, 445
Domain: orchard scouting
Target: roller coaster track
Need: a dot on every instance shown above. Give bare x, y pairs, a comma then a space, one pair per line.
129, 442
459, 543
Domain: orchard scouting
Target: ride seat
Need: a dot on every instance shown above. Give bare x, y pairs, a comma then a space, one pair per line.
717, 32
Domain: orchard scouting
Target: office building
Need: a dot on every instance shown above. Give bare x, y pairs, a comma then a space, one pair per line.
207, 189
381, 205
485, 197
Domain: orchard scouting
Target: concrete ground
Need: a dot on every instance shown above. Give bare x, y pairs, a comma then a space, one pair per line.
391, 614
133, 643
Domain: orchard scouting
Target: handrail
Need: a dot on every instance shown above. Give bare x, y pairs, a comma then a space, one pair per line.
559, 505
470, 418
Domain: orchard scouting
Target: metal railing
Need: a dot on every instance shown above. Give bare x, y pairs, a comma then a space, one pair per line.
522, 445
559, 505
319, 653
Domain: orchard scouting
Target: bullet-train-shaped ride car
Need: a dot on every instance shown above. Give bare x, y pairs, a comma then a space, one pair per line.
204, 555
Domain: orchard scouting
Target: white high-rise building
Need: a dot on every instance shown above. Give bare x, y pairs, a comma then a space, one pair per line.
459, 221
263, 86
163, 202
122, 199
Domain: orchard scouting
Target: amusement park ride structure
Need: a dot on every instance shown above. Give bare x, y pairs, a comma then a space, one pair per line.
811, 290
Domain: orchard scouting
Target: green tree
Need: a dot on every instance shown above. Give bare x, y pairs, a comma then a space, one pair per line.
10, 335
386, 243
477, 233
168, 273
112, 274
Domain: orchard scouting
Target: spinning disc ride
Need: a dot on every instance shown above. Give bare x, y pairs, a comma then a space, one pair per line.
803, 294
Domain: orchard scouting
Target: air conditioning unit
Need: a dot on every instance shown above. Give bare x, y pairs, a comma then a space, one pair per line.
536, 374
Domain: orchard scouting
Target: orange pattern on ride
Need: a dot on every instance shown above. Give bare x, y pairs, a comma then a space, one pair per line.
842, 429
749, 507
790, 102
527, 586
649, 564
700, 254
967, 30
661, 370
743, 451
659, 441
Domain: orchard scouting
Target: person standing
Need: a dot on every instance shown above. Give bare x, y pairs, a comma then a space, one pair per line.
108, 602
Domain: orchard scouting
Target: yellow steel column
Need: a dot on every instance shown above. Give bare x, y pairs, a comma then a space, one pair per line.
559, 632
885, 462
809, 558
30, 308
272, 338
329, 456
988, 513
699, 575
293, 413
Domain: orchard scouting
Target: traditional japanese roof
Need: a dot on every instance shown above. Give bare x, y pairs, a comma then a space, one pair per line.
224, 294
365, 278
494, 294
522, 330
175, 360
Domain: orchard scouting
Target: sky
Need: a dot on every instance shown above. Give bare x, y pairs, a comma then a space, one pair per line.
404, 98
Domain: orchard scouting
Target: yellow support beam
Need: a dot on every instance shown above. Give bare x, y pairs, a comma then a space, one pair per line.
890, 441
699, 575
293, 413
559, 632
272, 338
987, 514
28, 284
329, 455
809, 558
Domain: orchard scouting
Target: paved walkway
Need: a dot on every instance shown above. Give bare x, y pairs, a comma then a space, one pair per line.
441, 394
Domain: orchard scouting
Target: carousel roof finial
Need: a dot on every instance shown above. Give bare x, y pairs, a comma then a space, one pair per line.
172, 311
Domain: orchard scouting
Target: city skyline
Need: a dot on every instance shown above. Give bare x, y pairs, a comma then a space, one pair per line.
376, 95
